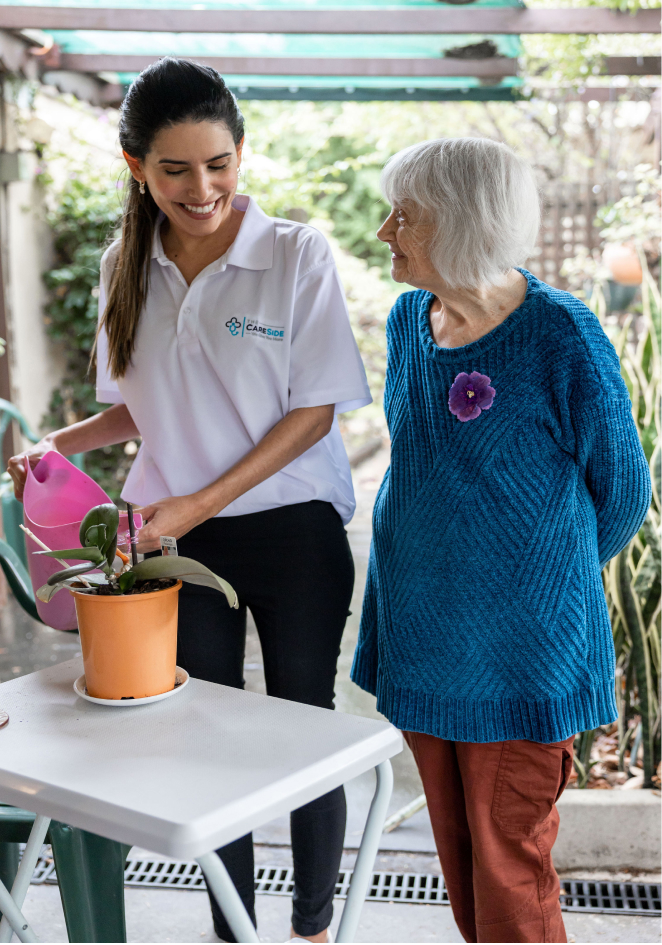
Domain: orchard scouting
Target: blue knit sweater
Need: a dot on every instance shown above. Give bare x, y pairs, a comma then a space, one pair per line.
484, 616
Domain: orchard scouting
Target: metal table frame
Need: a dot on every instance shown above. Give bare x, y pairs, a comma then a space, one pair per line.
65, 759
217, 876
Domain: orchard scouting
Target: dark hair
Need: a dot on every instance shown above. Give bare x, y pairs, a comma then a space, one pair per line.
168, 92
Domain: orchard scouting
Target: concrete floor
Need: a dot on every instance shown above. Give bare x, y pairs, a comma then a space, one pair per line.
159, 915
162, 915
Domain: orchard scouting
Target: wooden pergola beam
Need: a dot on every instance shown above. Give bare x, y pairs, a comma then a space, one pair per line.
633, 65
411, 21
495, 67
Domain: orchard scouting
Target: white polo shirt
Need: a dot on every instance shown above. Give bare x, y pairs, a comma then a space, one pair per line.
259, 332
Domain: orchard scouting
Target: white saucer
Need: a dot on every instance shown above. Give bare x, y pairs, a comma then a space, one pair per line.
181, 676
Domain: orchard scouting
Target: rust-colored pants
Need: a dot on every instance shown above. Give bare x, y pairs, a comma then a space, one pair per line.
494, 818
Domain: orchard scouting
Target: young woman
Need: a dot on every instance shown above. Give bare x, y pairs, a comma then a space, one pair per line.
224, 343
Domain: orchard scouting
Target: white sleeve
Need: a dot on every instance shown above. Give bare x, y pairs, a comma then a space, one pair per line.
325, 364
107, 390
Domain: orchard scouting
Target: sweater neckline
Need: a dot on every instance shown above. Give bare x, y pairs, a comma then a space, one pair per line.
478, 347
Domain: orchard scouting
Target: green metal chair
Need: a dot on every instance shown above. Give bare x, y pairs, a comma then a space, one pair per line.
90, 872
90, 869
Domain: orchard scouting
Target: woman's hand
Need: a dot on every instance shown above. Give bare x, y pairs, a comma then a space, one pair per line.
114, 425
16, 465
172, 516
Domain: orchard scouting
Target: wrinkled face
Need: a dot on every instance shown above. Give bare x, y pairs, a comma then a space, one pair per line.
408, 233
192, 172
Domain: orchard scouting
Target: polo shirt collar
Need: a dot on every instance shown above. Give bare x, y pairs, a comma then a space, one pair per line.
252, 249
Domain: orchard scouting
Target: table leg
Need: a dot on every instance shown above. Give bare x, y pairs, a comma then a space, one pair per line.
227, 897
365, 861
13, 919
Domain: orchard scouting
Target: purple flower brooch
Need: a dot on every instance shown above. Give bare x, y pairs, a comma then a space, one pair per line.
470, 395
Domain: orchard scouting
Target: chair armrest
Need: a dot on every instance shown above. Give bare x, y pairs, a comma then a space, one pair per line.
13, 413
18, 579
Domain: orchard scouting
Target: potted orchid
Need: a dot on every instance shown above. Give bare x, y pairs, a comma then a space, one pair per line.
127, 616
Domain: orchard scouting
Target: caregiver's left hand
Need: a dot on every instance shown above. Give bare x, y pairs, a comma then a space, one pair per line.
171, 516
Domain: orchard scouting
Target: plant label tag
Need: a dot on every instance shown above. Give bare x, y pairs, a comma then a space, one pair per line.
168, 545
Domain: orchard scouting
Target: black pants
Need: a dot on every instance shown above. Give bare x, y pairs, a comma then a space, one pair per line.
293, 568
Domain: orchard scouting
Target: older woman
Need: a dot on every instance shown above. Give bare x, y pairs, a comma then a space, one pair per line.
516, 474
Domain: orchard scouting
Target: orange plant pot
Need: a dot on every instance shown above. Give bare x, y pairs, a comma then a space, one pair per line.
129, 643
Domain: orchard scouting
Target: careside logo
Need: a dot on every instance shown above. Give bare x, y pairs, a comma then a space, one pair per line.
260, 330
253, 327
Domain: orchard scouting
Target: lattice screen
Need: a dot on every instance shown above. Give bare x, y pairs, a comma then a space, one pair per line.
569, 211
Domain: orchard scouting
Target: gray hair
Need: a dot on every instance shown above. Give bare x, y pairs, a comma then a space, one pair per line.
483, 202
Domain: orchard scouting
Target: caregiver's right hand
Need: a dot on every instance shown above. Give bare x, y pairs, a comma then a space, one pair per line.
16, 465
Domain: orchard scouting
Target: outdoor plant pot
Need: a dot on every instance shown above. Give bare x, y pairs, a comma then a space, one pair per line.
129, 642
128, 638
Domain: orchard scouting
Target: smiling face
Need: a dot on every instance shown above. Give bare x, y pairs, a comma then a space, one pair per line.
408, 234
191, 172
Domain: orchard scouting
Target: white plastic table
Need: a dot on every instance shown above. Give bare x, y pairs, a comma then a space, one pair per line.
180, 777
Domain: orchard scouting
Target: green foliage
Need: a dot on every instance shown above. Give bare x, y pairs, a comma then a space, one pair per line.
185, 569
632, 578
126, 581
102, 522
572, 58
582, 757
99, 527
329, 168
91, 553
635, 217
85, 216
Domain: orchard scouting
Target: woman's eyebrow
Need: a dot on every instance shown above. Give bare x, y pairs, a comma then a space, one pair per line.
210, 161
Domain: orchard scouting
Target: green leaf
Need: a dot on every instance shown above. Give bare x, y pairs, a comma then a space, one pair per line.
45, 592
186, 569
106, 515
75, 554
641, 659
111, 550
126, 581
60, 576
95, 535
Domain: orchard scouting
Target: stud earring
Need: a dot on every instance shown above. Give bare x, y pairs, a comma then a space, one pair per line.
141, 186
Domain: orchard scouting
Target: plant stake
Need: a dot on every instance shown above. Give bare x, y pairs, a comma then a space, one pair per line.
132, 534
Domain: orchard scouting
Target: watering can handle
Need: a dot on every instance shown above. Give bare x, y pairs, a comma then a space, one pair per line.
28, 468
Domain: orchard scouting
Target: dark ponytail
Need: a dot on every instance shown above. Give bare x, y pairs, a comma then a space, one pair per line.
166, 93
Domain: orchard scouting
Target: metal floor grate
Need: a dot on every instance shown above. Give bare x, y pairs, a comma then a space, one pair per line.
181, 874
610, 898
641, 899
385, 887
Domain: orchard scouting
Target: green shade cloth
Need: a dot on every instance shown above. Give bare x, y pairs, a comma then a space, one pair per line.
364, 89
272, 44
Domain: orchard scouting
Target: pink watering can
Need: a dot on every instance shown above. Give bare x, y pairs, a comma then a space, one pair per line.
56, 499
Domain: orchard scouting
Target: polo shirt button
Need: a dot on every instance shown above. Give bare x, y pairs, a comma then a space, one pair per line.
187, 311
